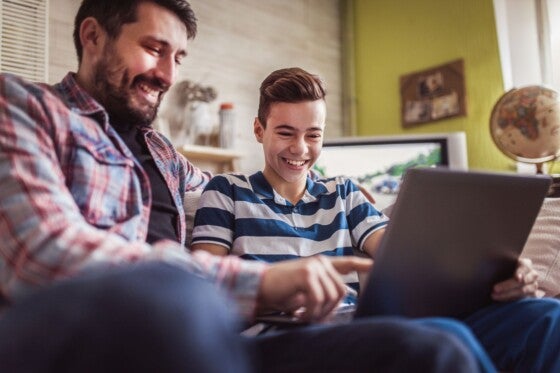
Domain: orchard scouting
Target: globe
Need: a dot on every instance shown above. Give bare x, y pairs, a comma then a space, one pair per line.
525, 124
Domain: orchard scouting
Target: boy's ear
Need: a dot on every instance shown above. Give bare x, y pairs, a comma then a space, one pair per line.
258, 130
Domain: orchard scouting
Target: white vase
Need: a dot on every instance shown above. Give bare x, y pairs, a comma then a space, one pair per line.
200, 123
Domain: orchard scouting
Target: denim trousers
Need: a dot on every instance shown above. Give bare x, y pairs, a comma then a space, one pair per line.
159, 318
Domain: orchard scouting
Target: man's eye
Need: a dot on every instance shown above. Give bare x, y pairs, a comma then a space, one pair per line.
154, 50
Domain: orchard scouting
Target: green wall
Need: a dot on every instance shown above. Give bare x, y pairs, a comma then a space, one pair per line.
397, 37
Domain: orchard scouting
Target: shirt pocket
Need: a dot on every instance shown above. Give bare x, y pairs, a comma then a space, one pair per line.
103, 182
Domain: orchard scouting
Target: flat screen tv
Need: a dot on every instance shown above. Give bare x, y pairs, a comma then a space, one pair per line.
379, 162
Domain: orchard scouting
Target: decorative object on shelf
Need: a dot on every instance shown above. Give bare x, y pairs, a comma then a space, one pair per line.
227, 125
188, 115
433, 94
525, 126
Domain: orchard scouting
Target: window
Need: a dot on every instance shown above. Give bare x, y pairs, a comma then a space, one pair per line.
529, 42
24, 38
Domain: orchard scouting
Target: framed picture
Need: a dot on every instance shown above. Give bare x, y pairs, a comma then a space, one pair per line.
433, 94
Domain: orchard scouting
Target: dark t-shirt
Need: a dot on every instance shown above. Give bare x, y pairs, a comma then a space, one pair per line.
163, 215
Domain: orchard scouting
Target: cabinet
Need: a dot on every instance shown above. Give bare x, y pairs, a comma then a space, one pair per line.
208, 158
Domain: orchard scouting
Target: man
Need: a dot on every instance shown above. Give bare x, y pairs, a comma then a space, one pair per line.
281, 213
88, 188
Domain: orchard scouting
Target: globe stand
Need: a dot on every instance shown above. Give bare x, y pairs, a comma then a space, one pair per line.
554, 191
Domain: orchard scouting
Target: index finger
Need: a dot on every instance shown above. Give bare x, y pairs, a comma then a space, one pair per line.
524, 267
347, 264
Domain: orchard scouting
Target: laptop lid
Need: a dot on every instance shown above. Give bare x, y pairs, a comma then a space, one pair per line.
452, 236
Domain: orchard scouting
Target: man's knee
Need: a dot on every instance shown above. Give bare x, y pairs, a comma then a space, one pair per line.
150, 315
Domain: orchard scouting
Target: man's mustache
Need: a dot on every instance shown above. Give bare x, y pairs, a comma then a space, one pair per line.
152, 81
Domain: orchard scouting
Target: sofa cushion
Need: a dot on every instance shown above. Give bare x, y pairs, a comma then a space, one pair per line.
543, 246
190, 202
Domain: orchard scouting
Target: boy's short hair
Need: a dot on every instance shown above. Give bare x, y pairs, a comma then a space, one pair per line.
288, 85
113, 14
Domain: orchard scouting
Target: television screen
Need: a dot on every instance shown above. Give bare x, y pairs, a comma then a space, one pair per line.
378, 163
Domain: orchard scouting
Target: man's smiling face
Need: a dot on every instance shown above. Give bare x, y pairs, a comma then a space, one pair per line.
138, 67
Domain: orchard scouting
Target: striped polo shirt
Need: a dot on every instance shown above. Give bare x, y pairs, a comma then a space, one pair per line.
249, 218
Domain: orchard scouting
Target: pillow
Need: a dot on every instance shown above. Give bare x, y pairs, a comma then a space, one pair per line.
190, 203
543, 246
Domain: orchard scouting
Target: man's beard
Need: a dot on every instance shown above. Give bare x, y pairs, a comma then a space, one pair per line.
117, 99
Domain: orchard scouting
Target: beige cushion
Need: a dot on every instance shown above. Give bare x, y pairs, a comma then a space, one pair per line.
190, 203
543, 246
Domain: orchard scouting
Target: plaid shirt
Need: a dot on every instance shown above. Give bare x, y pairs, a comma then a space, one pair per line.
72, 196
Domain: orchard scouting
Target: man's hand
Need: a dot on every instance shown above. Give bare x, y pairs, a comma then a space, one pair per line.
312, 284
524, 283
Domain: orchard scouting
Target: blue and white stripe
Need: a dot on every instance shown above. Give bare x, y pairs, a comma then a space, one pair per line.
245, 215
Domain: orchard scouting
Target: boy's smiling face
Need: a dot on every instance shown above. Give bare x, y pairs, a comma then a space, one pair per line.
292, 140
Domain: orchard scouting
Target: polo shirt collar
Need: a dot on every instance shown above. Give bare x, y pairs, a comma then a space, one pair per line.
264, 190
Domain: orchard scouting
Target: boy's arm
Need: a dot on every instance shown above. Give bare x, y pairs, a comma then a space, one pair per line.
214, 221
372, 242
211, 248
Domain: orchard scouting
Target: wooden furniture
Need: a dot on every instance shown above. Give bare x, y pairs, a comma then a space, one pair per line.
208, 158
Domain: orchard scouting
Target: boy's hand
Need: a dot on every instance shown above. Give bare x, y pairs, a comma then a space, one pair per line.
312, 284
524, 283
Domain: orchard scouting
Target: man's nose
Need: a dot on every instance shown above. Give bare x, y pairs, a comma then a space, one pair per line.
167, 71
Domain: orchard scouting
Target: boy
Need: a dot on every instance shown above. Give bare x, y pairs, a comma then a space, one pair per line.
281, 213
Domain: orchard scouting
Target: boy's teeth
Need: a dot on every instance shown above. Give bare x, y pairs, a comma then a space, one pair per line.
295, 163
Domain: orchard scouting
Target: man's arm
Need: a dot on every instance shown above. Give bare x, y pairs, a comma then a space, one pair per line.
45, 235
313, 284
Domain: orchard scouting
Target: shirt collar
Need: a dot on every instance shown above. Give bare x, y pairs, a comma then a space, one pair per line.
264, 190
79, 101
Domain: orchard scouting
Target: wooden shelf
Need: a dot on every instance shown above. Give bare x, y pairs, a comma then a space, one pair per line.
211, 158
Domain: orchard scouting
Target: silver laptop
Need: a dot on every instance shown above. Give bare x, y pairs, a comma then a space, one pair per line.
452, 236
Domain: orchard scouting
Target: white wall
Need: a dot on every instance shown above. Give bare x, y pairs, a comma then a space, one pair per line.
238, 43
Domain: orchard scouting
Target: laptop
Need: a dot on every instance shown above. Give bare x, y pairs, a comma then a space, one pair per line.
452, 236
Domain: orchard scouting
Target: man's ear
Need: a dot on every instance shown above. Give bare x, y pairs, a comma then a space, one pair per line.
92, 36
258, 130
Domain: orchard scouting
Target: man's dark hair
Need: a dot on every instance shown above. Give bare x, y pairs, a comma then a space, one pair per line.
113, 14
288, 85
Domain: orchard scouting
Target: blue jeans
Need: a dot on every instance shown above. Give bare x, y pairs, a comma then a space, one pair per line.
374, 344
157, 317
522, 336
142, 318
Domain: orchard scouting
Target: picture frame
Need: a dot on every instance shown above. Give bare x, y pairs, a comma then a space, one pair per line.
433, 94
